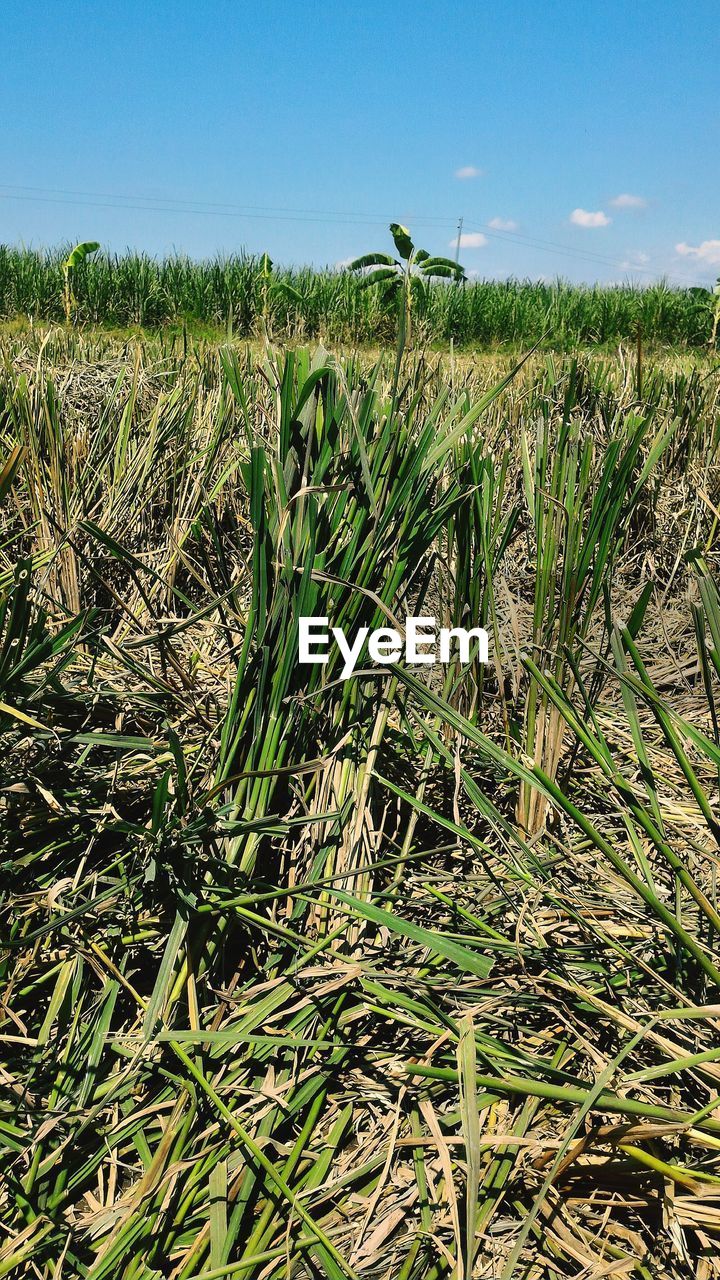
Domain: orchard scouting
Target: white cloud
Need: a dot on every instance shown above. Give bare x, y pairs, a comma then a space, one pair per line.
626, 201
469, 240
467, 171
636, 258
584, 218
503, 224
708, 251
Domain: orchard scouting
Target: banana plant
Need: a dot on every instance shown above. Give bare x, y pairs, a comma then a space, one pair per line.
403, 276
73, 260
273, 288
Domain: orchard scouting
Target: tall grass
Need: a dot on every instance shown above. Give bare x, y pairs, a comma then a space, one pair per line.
365, 978
231, 294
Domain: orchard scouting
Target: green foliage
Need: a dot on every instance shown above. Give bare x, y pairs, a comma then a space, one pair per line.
291, 981
70, 265
80, 253
404, 279
227, 294
403, 243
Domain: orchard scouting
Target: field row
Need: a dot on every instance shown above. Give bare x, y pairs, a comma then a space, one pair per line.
246, 297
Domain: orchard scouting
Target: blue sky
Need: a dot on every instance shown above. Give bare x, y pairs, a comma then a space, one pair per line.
315, 125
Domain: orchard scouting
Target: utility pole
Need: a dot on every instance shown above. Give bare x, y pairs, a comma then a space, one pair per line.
457, 246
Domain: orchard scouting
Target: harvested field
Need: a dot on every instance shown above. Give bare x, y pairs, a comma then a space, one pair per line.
411, 975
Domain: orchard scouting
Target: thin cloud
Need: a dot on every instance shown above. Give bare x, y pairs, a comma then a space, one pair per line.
503, 224
585, 218
708, 251
468, 171
636, 259
470, 240
627, 201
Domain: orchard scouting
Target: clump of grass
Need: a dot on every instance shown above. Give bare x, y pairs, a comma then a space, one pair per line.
364, 978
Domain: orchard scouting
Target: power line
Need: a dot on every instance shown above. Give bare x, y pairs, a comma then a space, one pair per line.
217, 204
550, 246
262, 213
164, 204
266, 216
